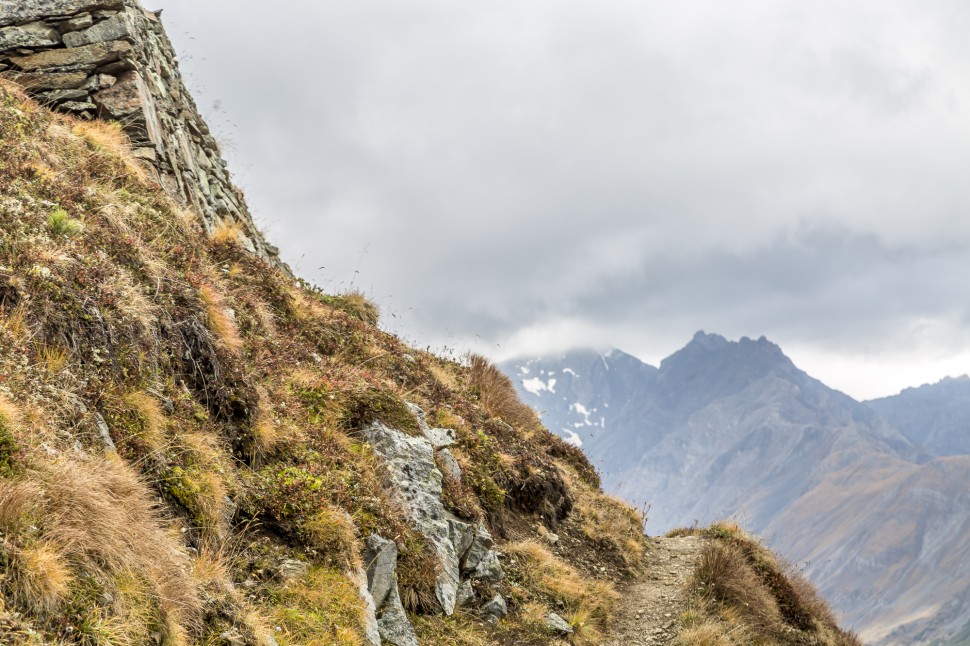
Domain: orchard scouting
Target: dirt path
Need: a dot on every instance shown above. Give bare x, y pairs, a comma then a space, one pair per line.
650, 609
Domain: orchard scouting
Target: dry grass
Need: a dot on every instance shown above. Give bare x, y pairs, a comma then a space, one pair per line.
39, 577
588, 603
226, 233
497, 395
109, 138
15, 322
199, 485
740, 593
332, 533
608, 521
221, 321
52, 358
321, 609
149, 412
10, 416
18, 501
264, 438
97, 518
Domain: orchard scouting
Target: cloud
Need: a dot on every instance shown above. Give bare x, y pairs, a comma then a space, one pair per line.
513, 174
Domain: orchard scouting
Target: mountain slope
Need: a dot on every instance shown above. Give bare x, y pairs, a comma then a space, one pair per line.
934, 416
688, 434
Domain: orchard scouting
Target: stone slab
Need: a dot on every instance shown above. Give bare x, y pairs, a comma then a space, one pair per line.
16, 12
34, 34
89, 55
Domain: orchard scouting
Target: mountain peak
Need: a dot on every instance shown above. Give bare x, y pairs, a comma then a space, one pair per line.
707, 341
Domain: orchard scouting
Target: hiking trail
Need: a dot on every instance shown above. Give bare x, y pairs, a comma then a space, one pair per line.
651, 607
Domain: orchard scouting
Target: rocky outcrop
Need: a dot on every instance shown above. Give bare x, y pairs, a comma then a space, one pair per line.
464, 551
391, 620
111, 59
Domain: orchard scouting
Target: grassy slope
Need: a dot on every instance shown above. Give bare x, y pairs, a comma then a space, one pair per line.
740, 594
238, 496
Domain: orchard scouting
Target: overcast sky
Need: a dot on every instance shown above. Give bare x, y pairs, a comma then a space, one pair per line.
520, 176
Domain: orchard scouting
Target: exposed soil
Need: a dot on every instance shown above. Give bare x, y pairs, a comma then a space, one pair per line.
651, 606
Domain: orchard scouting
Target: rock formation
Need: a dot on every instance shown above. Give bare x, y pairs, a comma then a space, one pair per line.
111, 59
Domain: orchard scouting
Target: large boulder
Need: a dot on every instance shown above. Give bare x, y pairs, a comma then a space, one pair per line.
460, 548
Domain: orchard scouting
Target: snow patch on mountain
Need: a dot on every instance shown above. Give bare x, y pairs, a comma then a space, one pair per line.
537, 386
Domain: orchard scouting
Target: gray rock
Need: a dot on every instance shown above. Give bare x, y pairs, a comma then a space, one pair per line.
15, 12
116, 28
449, 465
478, 550
417, 481
104, 433
289, 569
76, 23
419, 413
372, 632
558, 625
380, 559
440, 437
393, 623
466, 594
496, 608
489, 569
56, 96
34, 34
124, 98
89, 56
99, 82
78, 106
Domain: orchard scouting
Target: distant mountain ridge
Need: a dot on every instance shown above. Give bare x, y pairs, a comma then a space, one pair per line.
935, 416
725, 428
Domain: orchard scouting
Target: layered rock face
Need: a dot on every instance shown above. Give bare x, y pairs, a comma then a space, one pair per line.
111, 59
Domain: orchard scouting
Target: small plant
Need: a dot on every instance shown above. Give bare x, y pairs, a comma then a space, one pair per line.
226, 233
62, 224
221, 318
52, 358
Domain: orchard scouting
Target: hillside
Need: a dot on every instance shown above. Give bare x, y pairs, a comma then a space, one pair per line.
734, 428
198, 448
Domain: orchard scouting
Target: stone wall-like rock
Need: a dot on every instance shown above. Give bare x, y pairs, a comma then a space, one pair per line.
111, 59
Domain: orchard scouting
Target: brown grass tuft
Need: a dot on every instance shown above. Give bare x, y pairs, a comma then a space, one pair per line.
739, 589
149, 412
223, 323
589, 603
40, 577
497, 395
226, 233
332, 532
107, 519
15, 322
110, 138
52, 359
